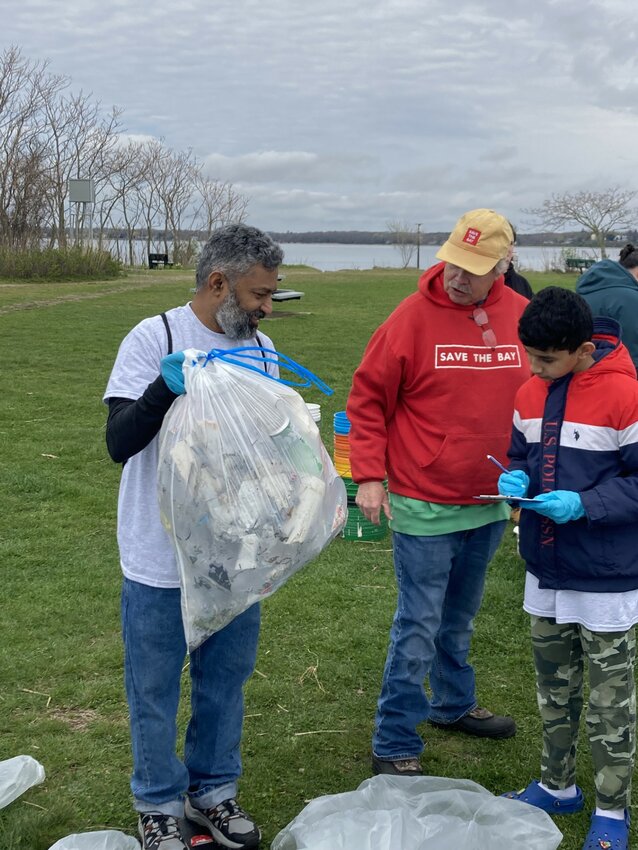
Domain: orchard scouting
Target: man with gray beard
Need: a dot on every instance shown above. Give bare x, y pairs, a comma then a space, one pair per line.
236, 278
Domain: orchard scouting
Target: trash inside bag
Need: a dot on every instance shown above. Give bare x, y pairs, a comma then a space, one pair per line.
247, 492
418, 813
16, 776
105, 839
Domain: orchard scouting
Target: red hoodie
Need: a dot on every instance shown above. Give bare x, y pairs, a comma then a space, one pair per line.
430, 399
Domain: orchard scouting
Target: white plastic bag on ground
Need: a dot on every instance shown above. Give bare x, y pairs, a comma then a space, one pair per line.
17, 775
105, 839
418, 813
247, 492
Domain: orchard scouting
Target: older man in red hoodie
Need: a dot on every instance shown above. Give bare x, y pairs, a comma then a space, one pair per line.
434, 394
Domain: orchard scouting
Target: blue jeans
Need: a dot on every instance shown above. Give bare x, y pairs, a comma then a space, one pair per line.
440, 583
155, 648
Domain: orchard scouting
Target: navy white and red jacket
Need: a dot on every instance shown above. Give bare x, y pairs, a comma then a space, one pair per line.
430, 400
580, 433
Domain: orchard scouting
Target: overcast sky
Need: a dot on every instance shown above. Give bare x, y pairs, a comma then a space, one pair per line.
345, 114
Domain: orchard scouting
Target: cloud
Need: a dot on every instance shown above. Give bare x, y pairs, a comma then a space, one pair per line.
287, 167
338, 114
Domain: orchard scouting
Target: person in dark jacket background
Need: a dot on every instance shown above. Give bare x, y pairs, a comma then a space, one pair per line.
515, 280
610, 288
579, 545
518, 283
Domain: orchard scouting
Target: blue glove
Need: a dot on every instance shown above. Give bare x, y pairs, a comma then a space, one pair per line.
513, 483
559, 505
171, 371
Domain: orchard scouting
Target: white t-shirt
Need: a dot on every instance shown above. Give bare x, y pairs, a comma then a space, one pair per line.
598, 612
146, 552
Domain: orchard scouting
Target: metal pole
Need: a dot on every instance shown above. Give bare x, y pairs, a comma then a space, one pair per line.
418, 246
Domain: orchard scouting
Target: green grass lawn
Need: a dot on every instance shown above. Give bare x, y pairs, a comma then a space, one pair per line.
310, 705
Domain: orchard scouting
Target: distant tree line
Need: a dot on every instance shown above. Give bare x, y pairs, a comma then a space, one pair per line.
385, 237
341, 237
50, 134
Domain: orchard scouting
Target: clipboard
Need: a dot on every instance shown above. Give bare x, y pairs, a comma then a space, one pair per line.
499, 498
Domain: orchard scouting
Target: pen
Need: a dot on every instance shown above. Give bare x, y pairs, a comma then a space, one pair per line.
498, 463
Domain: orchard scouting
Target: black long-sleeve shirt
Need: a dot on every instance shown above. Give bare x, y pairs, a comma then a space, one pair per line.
131, 425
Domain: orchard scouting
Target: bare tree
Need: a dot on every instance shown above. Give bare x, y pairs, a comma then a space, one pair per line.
600, 213
165, 191
175, 187
403, 239
79, 137
220, 203
146, 192
25, 88
49, 135
120, 200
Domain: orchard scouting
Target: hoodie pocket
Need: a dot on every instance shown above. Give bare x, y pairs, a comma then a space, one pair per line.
461, 466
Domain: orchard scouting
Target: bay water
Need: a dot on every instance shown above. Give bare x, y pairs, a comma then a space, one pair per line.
332, 256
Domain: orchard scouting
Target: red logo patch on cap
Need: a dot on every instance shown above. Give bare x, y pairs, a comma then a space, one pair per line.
472, 236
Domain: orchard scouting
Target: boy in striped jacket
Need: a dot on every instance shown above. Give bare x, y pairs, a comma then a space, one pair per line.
574, 449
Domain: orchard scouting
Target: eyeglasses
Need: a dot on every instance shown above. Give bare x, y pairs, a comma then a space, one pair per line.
480, 317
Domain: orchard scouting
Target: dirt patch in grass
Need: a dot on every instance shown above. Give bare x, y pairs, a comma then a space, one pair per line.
77, 719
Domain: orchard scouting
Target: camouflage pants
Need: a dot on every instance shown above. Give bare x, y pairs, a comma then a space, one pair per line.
559, 653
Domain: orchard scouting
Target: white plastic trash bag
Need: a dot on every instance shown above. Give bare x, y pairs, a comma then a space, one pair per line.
247, 492
105, 839
418, 813
17, 775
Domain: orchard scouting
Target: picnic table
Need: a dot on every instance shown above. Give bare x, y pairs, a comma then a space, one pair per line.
579, 264
286, 295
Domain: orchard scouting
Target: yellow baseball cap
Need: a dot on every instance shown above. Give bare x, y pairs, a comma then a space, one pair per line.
479, 240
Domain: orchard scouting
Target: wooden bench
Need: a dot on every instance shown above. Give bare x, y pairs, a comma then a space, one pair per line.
578, 264
158, 261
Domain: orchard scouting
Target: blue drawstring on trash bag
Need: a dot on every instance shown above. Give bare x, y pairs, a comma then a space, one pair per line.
239, 357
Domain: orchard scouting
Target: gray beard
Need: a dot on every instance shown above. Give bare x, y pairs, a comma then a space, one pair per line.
234, 320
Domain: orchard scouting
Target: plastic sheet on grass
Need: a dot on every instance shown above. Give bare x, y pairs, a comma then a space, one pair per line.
17, 775
418, 813
105, 839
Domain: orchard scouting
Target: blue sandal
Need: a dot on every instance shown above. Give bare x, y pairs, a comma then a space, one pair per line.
607, 833
534, 795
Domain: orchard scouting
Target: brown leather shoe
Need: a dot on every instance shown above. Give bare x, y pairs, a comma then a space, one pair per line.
397, 767
482, 723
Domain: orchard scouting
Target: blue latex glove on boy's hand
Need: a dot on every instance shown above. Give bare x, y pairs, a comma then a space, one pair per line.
513, 483
559, 505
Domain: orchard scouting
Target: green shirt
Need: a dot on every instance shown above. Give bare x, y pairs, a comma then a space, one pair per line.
424, 519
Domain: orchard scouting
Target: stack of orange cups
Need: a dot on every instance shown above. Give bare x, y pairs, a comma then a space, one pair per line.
342, 444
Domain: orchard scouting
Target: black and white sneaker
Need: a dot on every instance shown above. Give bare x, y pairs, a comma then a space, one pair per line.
228, 823
160, 832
